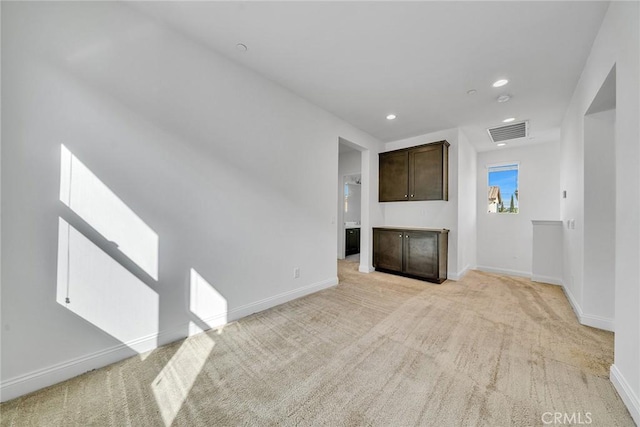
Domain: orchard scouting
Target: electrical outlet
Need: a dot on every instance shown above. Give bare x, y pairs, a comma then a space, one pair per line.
296, 273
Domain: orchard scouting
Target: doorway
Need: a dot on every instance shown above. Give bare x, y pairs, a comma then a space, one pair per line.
349, 201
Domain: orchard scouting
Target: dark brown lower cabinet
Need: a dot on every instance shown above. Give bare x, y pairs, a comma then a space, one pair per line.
419, 253
352, 241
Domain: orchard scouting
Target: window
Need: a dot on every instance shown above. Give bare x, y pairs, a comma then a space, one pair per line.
503, 188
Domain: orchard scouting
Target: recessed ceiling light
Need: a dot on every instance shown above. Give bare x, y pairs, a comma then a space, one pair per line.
391, 117
471, 92
241, 47
509, 120
502, 144
503, 98
500, 83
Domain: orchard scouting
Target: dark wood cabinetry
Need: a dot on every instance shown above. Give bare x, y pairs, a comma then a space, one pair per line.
352, 241
416, 173
388, 249
418, 253
393, 176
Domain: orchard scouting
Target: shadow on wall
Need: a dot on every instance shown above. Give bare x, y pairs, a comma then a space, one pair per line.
107, 271
92, 283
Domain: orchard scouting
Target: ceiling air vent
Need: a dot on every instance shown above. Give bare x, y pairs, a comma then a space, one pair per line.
507, 132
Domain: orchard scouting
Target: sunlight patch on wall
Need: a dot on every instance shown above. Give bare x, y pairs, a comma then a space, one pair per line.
100, 290
94, 202
172, 385
206, 303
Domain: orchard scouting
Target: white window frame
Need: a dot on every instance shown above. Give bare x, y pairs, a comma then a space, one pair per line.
495, 165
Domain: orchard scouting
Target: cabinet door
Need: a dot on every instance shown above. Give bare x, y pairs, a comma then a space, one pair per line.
387, 249
421, 254
427, 173
356, 240
393, 176
352, 241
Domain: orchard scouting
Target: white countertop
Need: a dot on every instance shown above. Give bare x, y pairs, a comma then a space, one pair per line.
391, 227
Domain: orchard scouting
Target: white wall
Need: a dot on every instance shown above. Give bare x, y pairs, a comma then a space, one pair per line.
617, 44
467, 213
454, 214
598, 296
546, 262
235, 175
349, 163
505, 241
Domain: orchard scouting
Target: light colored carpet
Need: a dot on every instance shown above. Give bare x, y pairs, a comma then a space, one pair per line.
377, 350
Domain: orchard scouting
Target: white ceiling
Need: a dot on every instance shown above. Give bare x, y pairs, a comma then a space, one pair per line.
364, 60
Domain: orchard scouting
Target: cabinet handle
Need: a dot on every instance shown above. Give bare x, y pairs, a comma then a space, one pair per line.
407, 236
405, 195
412, 195
400, 235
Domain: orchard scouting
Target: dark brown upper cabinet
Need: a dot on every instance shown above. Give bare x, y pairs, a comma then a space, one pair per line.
415, 173
393, 176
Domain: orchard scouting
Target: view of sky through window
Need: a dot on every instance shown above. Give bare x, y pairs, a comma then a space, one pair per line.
503, 189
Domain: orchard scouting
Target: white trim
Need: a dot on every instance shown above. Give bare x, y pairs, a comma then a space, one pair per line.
495, 165
255, 307
557, 223
626, 393
546, 279
363, 268
459, 275
40, 378
598, 322
572, 301
504, 271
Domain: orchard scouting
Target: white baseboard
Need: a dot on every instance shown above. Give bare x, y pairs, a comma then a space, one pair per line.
598, 322
504, 271
366, 269
40, 378
572, 301
594, 321
460, 274
255, 307
546, 279
627, 395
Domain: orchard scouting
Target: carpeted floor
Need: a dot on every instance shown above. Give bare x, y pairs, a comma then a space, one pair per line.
377, 350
